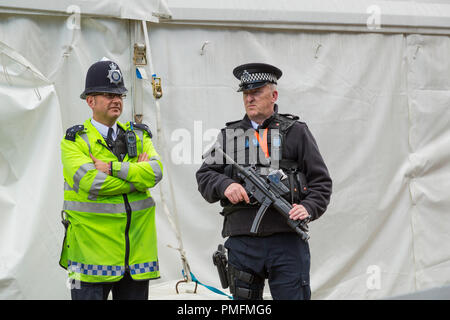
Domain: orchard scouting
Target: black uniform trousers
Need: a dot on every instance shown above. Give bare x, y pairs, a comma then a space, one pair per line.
124, 289
282, 258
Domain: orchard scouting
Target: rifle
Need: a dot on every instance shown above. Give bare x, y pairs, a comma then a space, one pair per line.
267, 193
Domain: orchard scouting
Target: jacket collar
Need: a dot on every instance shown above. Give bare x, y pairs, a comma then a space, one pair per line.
89, 127
266, 122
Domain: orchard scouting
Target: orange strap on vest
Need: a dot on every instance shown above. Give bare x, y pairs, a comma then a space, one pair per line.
263, 143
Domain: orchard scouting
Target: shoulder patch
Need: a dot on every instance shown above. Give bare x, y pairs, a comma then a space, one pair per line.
71, 133
143, 127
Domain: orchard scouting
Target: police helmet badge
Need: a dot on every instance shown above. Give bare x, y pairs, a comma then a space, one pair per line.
114, 74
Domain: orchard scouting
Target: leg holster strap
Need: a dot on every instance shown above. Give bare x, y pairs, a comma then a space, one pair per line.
244, 293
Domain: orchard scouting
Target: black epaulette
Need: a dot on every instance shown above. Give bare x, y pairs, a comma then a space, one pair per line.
290, 116
71, 133
144, 127
232, 122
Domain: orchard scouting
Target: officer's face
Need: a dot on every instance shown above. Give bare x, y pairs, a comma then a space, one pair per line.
106, 108
259, 102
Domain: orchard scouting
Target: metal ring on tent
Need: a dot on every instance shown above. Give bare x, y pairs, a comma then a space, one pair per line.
185, 280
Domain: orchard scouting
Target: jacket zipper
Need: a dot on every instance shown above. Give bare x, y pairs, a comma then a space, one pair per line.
127, 237
127, 226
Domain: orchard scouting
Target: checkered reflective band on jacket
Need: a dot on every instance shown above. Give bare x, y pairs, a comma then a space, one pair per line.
99, 270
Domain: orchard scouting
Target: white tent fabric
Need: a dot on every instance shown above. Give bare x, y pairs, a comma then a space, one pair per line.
133, 9
30, 130
425, 16
377, 103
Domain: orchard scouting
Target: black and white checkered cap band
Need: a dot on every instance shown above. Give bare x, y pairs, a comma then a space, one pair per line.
247, 77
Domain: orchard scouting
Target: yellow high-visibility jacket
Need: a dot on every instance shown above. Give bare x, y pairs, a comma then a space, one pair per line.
109, 219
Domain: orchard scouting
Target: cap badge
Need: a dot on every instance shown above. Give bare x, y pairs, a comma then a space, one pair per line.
246, 77
114, 74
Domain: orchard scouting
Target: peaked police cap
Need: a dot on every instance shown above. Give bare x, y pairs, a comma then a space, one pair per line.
256, 75
104, 77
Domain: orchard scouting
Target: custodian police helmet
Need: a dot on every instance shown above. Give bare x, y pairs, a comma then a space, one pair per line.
104, 77
256, 75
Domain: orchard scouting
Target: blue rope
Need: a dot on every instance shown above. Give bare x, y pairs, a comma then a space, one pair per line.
213, 289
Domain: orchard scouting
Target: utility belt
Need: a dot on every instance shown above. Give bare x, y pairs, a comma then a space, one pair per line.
288, 173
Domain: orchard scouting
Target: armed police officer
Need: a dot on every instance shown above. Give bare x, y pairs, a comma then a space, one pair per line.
108, 212
283, 145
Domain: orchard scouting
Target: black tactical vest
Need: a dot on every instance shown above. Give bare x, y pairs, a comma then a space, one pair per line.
239, 140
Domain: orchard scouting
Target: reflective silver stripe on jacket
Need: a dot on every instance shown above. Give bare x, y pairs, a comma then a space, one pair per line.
94, 197
123, 172
140, 134
96, 185
79, 174
156, 168
83, 169
96, 207
86, 139
67, 187
155, 158
125, 167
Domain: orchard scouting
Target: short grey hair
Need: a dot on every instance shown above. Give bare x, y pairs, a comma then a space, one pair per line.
273, 86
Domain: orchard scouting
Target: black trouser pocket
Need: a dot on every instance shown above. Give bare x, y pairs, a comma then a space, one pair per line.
305, 286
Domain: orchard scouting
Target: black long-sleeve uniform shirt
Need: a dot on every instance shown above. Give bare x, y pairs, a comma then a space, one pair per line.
298, 145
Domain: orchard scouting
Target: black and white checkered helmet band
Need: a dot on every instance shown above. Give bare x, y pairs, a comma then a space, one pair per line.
247, 77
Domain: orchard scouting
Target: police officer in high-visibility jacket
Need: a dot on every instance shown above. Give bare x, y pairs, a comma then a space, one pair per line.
108, 212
